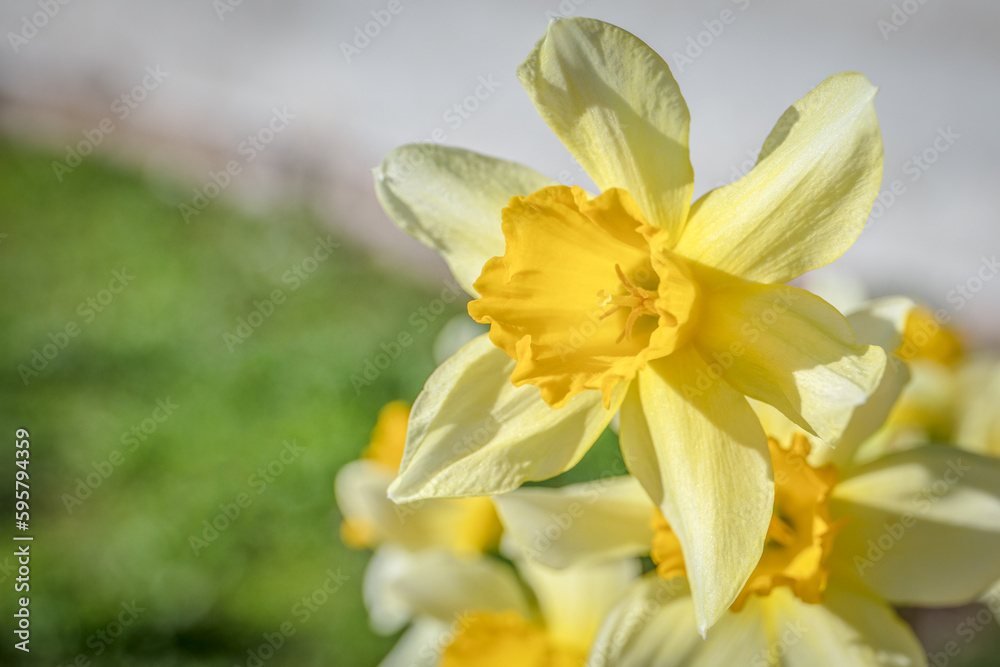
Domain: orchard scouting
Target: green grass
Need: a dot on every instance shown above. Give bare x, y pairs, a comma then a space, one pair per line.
162, 338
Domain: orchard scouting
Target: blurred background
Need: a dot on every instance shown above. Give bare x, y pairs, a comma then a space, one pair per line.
194, 266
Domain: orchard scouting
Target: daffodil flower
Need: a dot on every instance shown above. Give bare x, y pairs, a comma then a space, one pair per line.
847, 539
638, 299
482, 616
465, 527
919, 527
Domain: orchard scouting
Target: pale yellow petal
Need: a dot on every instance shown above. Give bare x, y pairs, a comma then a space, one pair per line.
588, 523
789, 348
879, 322
923, 525
616, 107
388, 612
575, 600
978, 389
472, 433
654, 625
807, 199
420, 645
703, 458
462, 525
848, 628
450, 200
439, 584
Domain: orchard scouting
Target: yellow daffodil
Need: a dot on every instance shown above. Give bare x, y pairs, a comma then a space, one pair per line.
465, 527
636, 298
977, 426
920, 527
482, 617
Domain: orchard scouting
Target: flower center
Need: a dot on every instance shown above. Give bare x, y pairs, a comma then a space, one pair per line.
640, 302
539, 298
799, 537
489, 639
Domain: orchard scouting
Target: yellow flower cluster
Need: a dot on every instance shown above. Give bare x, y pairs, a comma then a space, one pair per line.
791, 471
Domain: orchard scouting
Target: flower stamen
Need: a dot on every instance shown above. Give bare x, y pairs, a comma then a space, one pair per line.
640, 301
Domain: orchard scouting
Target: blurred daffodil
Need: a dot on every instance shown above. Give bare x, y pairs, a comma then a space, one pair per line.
638, 299
482, 616
919, 527
464, 527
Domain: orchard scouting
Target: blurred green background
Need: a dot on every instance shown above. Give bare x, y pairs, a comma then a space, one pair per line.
117, 519
162, 339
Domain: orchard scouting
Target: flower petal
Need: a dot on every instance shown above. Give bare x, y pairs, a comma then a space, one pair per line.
420, 645
388, 612
588, 523
450, 200
614, 104
439, 584
878, 322
848, 628
575, 600
703, 458
978, 391
463, 525
789, 348
654, 625
807, 199
923, 526
472, 433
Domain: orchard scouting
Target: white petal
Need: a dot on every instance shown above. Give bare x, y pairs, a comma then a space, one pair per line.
923, 525
588, 523
450, 200
613, 103
575, 600
472, 433
420, 645
703, 458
